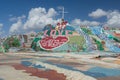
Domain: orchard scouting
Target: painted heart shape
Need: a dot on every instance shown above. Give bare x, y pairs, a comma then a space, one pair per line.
49, 43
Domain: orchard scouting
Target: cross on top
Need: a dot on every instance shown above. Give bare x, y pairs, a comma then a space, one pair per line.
63, 11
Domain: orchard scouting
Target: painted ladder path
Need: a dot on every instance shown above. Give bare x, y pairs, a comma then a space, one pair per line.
55, 67
99, 32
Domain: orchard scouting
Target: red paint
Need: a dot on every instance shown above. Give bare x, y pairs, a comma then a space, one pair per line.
48, 74
45, 33
53, 32
116, 34
49, 43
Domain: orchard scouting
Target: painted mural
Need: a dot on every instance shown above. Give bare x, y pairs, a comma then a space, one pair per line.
64, 37
61, 37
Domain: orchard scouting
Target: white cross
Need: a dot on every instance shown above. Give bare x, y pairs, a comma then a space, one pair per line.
63, 11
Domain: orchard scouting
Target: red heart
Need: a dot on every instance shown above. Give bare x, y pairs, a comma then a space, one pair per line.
49, 43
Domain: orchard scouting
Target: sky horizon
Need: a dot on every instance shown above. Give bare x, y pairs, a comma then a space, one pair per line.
30, 15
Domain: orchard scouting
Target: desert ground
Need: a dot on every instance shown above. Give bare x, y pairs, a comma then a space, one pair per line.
59, 66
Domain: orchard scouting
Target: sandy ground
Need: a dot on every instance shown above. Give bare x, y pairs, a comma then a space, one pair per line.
57, 66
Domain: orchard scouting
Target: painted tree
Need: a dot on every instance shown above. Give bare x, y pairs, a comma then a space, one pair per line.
11, 42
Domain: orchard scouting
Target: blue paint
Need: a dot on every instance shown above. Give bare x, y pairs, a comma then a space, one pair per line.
37, 66
106, 71
69, 28
1, 79
99, 32
94, 72
26, 63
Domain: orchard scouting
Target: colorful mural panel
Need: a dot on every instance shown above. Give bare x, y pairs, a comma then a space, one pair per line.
49, 43
61, 38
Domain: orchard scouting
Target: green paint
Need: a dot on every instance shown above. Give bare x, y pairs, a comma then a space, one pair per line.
76, 43
86, 30
11, 42
99, 44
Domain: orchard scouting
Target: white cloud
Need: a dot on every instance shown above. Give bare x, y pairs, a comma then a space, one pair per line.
113, 19
16, 27
1, 25
98, 13
37, 19
51, 12
78, 22
12, 19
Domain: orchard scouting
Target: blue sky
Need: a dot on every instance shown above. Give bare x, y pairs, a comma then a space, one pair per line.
16, 12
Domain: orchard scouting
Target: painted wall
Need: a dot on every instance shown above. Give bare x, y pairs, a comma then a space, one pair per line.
60, 38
